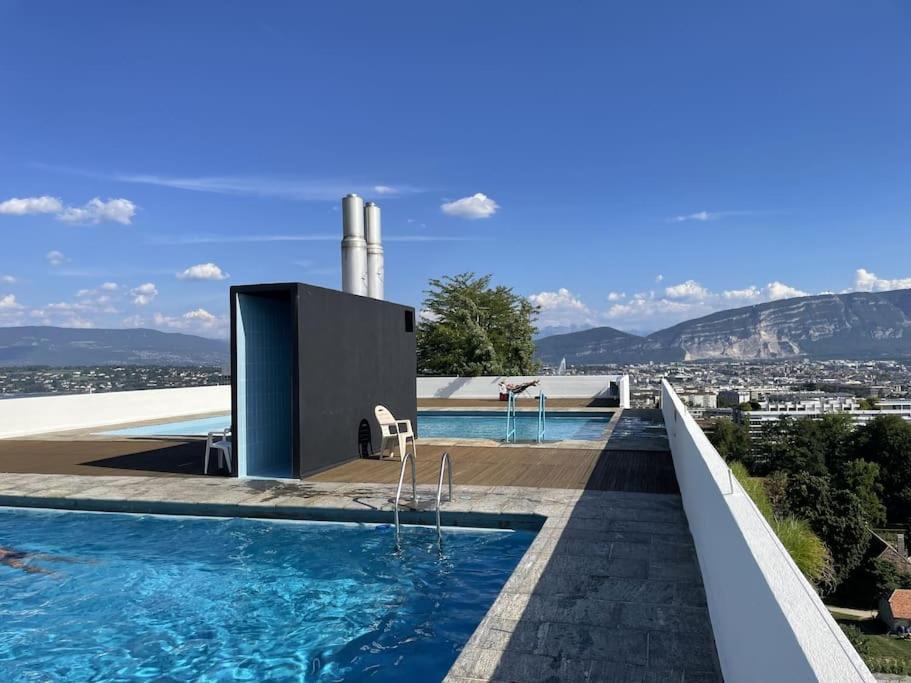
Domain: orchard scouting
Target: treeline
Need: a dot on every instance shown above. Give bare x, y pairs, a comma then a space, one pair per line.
842, 482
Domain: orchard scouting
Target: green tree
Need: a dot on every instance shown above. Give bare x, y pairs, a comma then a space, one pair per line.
805, 547
862, 478
836, 515
873, 579
731, 440
471, 329
886, 440
792, 445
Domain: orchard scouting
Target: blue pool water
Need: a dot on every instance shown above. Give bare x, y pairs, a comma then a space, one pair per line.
196, 599
199, 427
486, 425
438, 424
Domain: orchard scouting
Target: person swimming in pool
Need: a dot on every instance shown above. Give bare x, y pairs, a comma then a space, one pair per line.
17, 560
21, 559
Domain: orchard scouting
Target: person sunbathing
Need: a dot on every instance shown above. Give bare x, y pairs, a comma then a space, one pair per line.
520, 387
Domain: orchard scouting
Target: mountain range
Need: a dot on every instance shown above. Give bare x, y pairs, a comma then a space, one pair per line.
855, 325
65, 346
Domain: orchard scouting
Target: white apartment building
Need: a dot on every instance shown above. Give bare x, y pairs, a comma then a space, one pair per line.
770, 411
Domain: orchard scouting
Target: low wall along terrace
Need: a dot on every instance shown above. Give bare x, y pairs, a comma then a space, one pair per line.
769, 623
557, 386
41, 414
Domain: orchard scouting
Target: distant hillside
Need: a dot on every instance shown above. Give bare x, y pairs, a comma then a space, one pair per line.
59, 346
573, 345
855, 325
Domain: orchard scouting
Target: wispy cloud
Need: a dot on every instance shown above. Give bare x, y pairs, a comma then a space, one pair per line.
704, 216
302, 237
55, 258
275, 186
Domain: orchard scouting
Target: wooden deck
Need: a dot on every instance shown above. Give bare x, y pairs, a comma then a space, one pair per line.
633, 461
143, 457
563, 468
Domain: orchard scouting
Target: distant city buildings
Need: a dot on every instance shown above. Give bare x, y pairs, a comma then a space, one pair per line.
860, 410
38, 381
793, 387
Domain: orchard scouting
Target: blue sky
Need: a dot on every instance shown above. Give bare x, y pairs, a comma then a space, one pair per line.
639, 163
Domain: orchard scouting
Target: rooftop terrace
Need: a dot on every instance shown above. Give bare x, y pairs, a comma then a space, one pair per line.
642, 541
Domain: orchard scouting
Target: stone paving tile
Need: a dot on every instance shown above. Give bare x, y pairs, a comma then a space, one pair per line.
690, 651
664, 618
676, 570
587, 642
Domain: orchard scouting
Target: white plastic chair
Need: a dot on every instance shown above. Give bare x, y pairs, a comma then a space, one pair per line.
220, 441
398, 431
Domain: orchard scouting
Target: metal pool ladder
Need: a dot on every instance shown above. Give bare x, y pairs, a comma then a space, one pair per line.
510, 413
445, 464
542, 415
414, 490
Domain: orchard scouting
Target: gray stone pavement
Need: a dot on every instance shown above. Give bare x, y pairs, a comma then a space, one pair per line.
610, 588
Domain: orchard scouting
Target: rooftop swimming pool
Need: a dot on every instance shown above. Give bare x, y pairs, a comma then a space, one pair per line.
437, 424
492, 425
129, 597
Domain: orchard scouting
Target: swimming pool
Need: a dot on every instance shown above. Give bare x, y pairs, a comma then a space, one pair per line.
492, 425
449, 424
198, 427
191, 598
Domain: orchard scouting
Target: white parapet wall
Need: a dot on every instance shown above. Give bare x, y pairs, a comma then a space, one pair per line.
554, 386
769, 623
43, 414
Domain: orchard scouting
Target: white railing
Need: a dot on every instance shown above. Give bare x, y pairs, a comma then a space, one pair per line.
41, 414
769, 623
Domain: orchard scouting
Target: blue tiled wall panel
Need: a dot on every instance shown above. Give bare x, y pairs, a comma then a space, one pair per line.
264, 386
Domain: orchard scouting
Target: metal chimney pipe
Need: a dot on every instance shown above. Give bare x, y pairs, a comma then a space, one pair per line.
375, 257
354, 247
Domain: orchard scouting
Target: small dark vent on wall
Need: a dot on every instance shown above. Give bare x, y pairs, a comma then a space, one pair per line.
409, 321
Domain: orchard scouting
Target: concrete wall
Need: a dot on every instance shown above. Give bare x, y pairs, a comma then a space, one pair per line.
769, 623
355, 352
38, 415
561, 386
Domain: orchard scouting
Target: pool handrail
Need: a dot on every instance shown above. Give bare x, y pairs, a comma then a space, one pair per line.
542, 415
398, 492
510, 411
445, 464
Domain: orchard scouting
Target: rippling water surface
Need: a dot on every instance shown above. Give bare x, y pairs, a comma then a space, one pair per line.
115, 597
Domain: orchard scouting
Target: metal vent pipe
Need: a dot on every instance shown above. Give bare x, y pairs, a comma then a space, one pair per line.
354, 246
375, 259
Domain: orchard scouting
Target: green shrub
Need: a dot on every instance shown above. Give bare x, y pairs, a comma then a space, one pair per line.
805, 548
887, 665
857, 639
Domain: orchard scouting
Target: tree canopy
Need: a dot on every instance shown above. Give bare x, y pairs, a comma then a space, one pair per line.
886, 441
469, 328
843, 481
731, 440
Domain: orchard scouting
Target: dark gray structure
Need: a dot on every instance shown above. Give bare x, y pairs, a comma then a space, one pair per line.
308, 366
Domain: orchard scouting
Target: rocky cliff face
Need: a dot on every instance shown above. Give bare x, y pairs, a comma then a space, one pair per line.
856, 325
